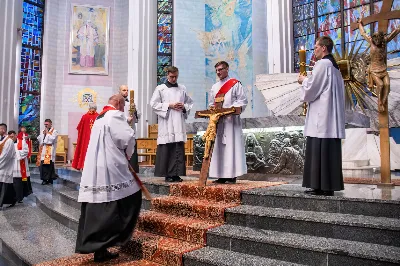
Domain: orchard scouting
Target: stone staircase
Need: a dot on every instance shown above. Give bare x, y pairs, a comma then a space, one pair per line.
283, 223
265, 224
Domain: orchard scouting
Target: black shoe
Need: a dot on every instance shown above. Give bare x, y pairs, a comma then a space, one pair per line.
231, 180
313, 192
20, 201
169, 179
44, 182
12, 204
177, 179
220, 181
101, 256
327, 193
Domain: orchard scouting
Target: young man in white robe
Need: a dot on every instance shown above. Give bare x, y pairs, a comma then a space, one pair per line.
21, 174
228, 159
172, 105
111, 197
325, 122
132, 120
7, 159
47, 153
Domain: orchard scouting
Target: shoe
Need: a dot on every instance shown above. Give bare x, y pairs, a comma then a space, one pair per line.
220, 181
231, 180
169, 179
313, 192
327, 193
20, 201
44, 182
101, 256
177, 179
12, 204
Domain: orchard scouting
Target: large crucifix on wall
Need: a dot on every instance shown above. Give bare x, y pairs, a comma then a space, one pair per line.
378, 76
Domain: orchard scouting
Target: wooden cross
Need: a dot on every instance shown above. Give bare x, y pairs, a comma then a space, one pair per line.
214, 114
383, 21
382, 18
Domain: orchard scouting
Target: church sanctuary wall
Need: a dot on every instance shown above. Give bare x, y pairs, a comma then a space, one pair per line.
10, 52
209, 31
62, 92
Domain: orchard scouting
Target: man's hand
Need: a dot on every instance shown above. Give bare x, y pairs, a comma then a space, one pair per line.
300, 79
129, 119
177, 106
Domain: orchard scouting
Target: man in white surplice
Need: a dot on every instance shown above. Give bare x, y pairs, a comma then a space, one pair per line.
228, 159
7, 159
325, 122
47, 153
172, 104
110, 195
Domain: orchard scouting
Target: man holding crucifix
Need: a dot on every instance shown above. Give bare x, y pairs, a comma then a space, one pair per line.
228, 159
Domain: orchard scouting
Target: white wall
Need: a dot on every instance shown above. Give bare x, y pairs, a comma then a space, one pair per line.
10, 54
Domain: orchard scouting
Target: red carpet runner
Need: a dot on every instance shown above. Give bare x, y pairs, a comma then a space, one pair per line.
175, 225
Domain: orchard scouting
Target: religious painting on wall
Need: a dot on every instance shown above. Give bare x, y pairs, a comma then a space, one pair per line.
89, 40
268, 151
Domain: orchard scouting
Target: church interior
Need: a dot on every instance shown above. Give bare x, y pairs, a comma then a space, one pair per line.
60, 57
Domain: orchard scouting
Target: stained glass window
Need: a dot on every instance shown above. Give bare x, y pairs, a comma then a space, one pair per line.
333, 18
165, 37
31, 61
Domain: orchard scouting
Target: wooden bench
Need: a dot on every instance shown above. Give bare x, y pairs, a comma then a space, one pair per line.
61, 150
147, 147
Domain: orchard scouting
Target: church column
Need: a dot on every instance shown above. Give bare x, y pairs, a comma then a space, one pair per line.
142, 62
280, 36
10, 58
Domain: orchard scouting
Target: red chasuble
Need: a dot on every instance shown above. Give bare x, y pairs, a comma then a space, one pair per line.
84, 128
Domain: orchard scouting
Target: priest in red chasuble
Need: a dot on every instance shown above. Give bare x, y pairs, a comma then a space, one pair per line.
84, 129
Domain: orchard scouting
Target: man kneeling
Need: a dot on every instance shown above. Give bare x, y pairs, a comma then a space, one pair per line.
110, 196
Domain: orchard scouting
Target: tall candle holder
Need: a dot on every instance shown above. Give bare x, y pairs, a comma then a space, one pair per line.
303, 71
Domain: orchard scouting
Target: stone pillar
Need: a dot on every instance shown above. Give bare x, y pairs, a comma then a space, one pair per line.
280, 36
142, 58
10, 58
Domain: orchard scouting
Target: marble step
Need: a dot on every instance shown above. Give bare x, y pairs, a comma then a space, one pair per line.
299, 248
377, 230
209, 256
29, 236
354, 163
183, 228
293, 197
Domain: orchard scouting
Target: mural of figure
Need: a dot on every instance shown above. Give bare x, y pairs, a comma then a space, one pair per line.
198, 154
87, 34
275, 149
254, 153
290, 161
294, 140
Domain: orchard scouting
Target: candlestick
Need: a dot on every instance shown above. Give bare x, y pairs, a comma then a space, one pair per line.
302, 59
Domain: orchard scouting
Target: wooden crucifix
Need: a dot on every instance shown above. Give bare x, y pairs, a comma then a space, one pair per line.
378, 76
214, 114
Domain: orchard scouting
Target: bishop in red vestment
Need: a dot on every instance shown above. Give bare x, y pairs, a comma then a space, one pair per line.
84, 129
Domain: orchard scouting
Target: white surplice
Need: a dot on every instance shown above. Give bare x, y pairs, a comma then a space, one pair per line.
324, 93
106, 176
21, 155
228, 158
171, 123
49, 139
7, 160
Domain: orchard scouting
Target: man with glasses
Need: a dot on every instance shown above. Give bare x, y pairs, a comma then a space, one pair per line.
47, 153
228, 159
324, 127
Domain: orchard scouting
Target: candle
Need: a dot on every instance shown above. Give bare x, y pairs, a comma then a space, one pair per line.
302, 59
131, 95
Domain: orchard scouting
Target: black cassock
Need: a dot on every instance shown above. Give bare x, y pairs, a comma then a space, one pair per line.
103, 225
170, 160
323, 164
47, 171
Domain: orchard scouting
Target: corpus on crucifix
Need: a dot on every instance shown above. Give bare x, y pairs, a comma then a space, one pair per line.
378, 75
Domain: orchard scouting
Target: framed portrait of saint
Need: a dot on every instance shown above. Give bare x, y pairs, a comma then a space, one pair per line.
89, 40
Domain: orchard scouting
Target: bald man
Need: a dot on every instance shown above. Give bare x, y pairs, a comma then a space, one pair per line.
110, 196
132, 120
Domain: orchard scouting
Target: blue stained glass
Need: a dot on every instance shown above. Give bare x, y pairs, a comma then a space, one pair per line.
330, 21
301, 2
165, 6
164, 18
328, 6
354, 3
351, 35
351, 15
164, 38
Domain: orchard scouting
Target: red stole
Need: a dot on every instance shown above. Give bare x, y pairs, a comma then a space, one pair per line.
106, 109
22, 163
21, 137
226, 87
